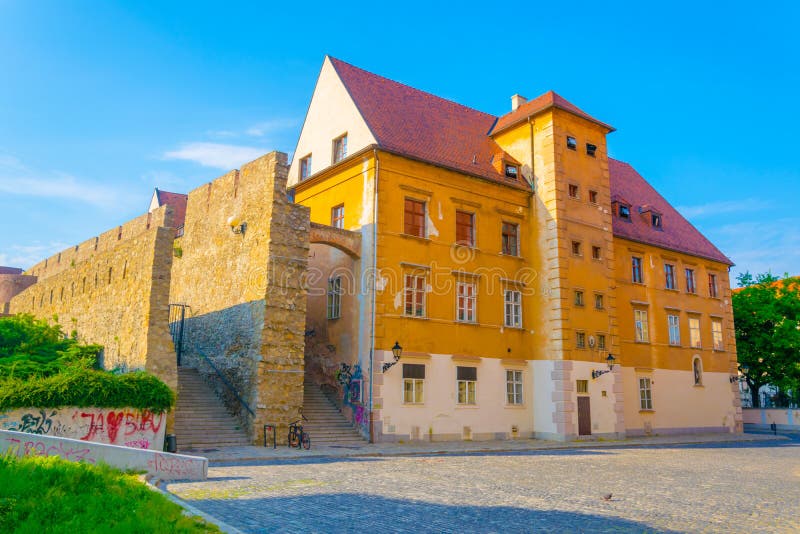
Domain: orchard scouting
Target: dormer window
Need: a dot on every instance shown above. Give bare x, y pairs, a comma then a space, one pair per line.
305, 167
339, 148
591, 149
572, 143
624, 212
512, 171
655, 218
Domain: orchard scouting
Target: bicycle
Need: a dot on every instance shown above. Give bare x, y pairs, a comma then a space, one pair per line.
297, 437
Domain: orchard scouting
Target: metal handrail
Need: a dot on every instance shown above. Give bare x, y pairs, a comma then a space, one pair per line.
228, 384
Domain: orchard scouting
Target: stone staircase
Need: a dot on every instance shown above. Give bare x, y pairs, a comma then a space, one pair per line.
201, 419
326, 425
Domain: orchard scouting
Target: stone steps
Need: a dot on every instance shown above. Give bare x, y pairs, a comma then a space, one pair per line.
326, 425
201, 420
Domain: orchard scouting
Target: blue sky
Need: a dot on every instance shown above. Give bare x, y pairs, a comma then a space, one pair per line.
100, 102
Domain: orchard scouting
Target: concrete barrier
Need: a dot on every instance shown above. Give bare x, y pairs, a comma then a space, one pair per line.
162, 465
763, 418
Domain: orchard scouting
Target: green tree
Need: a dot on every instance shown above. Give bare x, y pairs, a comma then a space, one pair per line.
766, 313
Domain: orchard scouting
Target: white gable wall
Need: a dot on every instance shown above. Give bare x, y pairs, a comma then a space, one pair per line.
331, 114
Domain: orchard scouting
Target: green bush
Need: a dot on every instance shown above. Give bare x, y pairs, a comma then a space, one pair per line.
52, 495
41, 367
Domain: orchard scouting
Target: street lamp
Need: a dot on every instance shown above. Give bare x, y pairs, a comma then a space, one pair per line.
397, 351
610, 361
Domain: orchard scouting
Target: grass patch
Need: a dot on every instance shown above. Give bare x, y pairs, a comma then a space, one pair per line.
51, 495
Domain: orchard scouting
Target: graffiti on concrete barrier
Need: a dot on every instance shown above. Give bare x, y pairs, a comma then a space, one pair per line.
21, 448
174, 467
40, 423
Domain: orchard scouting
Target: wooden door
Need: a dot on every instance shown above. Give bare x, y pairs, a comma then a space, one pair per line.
584, 417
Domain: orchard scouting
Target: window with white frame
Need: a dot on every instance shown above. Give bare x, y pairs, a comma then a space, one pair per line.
637, 276
335, 297
513, 386
716, 333
305, 167
640, 322
645, 394
601, 341
339, 148
337, 216
513, 312
694, 332
466, 381
690, 281
674, 323
413, 383
466, 302
414, 295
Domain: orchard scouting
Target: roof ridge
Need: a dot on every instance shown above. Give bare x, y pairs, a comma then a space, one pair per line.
437, 97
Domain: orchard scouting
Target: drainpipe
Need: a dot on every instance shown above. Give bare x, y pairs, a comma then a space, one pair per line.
533, 174
374, 299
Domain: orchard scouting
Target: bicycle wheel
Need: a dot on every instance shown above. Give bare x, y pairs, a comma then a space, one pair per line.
306, 440
294, 438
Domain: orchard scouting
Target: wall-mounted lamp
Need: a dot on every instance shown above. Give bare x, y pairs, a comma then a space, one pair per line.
397, 351
742, 376
237, 226
610, 360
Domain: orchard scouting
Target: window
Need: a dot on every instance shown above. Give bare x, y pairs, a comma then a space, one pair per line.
465, 228
573, 191
510, 239
601, 341
335, 297
598, 301
645, 394
415, 296
337, 216
636, 270
640, 323
576, 248
674, 323
305, 167
466, 379
339, 148
513, 387
697, 370
694, 332
511, 172
596, 253
669, 276
582, 386
413, 380
513, 302
580, 340
716, 333
465, 302
624, 212
712, 285
655, 219
593, 197
591, 149
690, 287
578, 297
572, 144
415, 217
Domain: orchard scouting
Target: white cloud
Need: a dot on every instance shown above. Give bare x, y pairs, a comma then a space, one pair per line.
724, 206
26, 256
217, 155
18, 179
263, 128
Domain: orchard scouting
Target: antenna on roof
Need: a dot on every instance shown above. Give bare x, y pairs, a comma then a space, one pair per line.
474, 159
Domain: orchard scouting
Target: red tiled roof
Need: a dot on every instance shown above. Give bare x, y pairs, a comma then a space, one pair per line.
550, 99
676, 234
10, 270
424, 126
178, 203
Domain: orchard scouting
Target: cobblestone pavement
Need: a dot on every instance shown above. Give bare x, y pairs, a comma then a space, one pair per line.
730, 487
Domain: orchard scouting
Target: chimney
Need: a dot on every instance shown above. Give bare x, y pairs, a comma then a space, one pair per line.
517, 101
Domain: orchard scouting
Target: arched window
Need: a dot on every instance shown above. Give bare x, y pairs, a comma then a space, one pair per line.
697, 368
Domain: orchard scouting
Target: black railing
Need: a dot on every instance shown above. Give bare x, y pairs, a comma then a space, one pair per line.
177, 318
227, 383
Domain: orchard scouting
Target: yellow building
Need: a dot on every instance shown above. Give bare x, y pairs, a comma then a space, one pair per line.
511, 259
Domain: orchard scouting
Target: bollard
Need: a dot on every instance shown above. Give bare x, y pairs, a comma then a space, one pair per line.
270, 428
171, 443
774, 428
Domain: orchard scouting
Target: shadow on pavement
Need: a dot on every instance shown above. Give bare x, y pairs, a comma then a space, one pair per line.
353, 512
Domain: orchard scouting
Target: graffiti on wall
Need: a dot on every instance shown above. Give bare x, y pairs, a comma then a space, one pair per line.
140, 429
351, 379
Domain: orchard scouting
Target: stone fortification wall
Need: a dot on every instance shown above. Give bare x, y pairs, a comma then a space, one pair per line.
10, 286
117, 297
244, 291
105, 242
